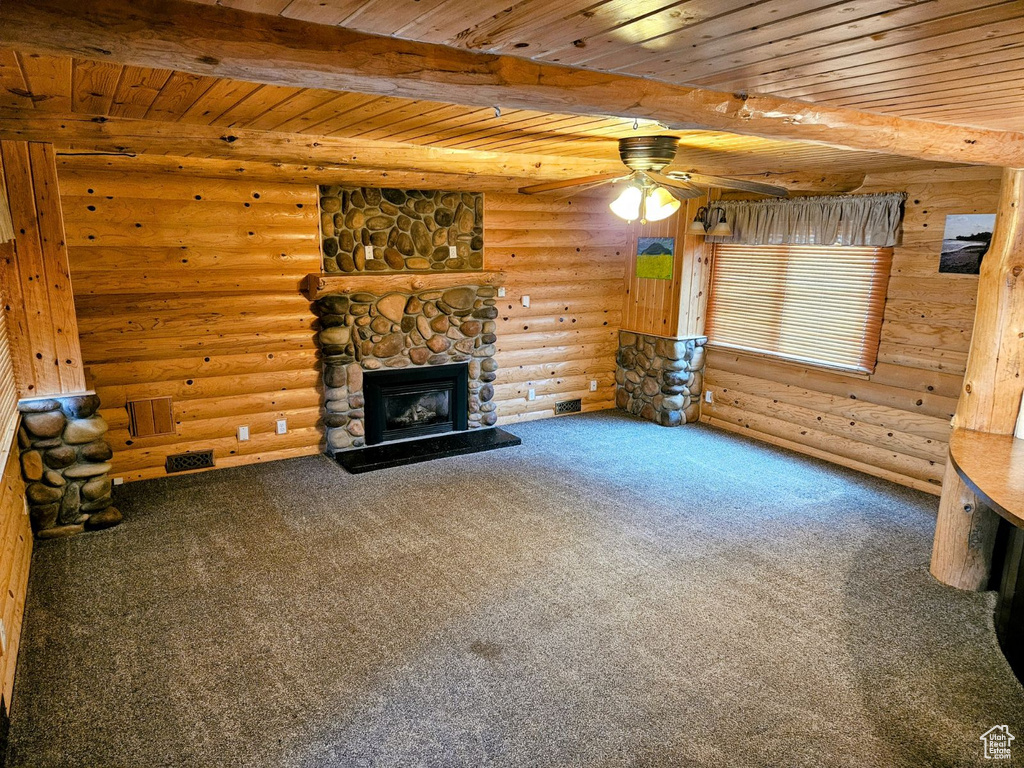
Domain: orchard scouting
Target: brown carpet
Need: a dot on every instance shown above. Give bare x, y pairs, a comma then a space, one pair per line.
611, 593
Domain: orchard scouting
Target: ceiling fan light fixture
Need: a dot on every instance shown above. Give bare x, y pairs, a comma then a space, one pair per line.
660, 204
627, 205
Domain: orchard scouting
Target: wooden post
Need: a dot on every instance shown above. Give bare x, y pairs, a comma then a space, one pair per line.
36, 277
991, 394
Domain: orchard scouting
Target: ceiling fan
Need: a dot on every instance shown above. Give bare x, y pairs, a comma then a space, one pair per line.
650, 194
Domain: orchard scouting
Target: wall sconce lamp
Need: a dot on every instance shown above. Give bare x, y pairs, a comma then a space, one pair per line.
710, 221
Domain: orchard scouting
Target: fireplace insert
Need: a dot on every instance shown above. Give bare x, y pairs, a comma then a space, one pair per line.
413, 402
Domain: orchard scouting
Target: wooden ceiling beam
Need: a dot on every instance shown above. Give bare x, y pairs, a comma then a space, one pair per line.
257, 171
224, 42
87, 133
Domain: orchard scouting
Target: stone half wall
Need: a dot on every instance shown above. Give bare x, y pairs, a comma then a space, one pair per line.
365, 332
660, 379
64, 462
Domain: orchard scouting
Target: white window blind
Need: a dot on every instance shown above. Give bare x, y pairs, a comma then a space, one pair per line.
820, 305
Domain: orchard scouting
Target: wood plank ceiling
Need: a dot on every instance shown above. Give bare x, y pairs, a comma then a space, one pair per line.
44, 84
952, 61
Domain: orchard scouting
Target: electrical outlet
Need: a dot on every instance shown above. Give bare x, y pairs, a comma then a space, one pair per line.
118, 481
531, 394
369, 252
708, 397
452, 253
282, 426
501, 293
526, 300
243, 434
593, 385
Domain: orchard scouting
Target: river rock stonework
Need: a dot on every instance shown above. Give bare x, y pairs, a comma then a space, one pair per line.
409, 230
364, 332
660, 379
64, 462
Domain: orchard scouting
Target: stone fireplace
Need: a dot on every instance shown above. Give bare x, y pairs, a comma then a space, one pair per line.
401, 365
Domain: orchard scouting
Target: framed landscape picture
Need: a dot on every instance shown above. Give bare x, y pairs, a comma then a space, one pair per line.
654, 257
965, 242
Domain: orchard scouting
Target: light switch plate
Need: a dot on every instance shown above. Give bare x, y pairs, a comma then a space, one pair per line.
369, 252
593, 385
243, 434
501, 293
526, 300
708, 397
531, 394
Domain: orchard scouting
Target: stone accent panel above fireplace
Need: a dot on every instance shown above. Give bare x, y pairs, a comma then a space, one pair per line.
361, 331
408, 230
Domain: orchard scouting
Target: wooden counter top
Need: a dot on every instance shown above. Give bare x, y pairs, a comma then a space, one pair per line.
993, 467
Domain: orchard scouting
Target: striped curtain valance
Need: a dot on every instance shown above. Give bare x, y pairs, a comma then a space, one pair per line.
853, 220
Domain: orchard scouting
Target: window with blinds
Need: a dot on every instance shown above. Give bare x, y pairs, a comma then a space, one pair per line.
8, 392
820, 305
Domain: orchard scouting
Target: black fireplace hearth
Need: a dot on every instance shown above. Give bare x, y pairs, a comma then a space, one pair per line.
415, 402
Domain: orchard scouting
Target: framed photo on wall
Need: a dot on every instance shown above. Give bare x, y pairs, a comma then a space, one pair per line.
654, 257
965, 242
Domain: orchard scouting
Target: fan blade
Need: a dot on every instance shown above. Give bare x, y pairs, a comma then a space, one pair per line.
570, 191
551, 186
678, 189
726, 183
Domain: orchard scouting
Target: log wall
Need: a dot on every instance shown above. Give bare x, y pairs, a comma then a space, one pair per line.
895, 422
188, 287
15, 557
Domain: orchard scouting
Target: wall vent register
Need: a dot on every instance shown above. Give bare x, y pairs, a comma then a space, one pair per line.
183, 462
569, 406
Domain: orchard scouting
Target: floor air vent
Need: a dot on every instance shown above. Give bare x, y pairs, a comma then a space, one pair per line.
182, 462
568, 406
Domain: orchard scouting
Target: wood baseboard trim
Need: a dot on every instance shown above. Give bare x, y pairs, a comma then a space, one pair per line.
894, 477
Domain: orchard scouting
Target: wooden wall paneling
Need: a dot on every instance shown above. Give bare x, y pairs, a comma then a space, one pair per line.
895, 422
189, 289
177, 299
990, 400
569, 256
662, 307
15, 557
52, 237
37, 279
